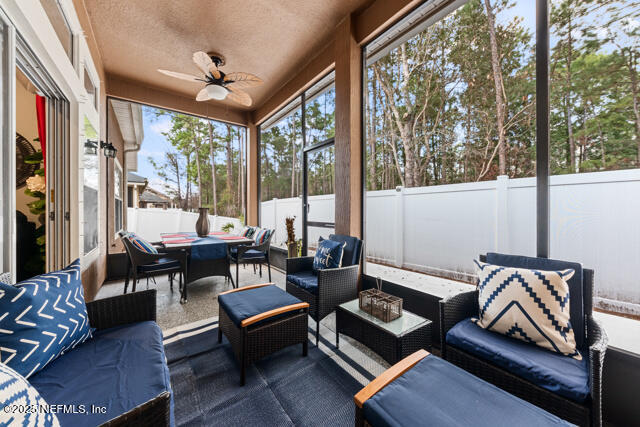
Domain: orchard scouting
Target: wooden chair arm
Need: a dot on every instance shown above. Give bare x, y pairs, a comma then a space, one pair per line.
388, 376
275, 312
244, 288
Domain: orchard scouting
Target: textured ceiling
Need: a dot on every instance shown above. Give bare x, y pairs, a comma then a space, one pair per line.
269, 38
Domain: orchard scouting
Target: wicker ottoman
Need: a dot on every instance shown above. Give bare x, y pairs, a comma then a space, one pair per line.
259, 320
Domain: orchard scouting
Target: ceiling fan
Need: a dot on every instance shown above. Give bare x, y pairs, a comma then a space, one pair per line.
218, 84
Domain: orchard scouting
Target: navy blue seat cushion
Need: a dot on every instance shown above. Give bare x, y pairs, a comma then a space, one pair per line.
120, 368
250, 254
436, 393
576, 286
307, 280
352, 249
159, 265
244, 304
559, 374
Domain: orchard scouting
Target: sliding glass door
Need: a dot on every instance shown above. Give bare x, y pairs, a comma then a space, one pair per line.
319, 195
47, 110
7, 149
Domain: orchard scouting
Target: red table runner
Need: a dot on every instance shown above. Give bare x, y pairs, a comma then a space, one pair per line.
177, 241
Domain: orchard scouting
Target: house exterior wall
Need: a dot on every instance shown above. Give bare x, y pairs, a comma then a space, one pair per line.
115, 137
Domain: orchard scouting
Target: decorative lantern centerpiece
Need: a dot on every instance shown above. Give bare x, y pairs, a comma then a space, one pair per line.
380, 304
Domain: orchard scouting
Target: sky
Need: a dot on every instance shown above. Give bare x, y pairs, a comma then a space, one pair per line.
154, 145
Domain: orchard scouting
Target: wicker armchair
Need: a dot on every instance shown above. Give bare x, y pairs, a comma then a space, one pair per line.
252, 254
459, 307
121, 310
143, 264
334, 285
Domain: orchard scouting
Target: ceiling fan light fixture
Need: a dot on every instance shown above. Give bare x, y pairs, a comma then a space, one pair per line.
217, 92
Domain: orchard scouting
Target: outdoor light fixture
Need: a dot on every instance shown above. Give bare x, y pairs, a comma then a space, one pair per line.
216, 92
109, 150
91, 147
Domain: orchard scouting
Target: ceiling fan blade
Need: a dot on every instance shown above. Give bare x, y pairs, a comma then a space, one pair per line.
202, 61
203, 95
242, 80
239, 96
213, 69
181, 76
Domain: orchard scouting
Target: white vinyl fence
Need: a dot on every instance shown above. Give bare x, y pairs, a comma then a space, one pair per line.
595, 220
149, 223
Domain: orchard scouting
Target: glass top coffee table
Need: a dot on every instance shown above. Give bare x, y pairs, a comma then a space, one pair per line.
393, 340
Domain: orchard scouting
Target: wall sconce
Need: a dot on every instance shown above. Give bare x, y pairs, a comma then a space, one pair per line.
109, 150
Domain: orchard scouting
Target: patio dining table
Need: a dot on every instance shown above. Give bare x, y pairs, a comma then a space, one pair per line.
208, 256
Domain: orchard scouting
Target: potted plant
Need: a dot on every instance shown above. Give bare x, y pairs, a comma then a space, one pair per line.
292, 244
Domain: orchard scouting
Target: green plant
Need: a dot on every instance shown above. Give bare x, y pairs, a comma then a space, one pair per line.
299, 242
36, 189
228, 227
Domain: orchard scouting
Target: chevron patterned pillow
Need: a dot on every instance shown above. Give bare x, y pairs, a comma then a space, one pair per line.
16, 393
41, 318
530, 305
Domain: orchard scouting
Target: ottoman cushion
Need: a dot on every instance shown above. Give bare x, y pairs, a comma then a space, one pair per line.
244, 304
437, 391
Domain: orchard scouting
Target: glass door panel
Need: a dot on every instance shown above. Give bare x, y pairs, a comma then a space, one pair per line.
320, 197
7, 147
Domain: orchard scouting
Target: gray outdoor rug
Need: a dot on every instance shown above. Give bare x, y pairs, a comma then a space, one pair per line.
282, 389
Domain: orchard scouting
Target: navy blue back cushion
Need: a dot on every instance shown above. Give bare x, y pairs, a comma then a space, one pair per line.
576, 288
351, 253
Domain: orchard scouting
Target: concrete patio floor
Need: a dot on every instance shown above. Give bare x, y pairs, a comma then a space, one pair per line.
202, 295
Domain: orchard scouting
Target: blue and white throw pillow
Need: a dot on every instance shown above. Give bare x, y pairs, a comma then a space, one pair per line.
142, 244
41, 318
250, 231
530, 305
328, 255
16, 394
262, 236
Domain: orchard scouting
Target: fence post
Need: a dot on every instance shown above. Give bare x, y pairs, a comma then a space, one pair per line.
399, 226
275, 218
502, 214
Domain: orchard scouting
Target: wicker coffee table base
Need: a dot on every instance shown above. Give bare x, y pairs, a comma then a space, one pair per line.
256, 341
389, 346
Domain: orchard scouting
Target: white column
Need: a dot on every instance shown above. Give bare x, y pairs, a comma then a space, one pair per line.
399, 226
502, 214
136, 197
